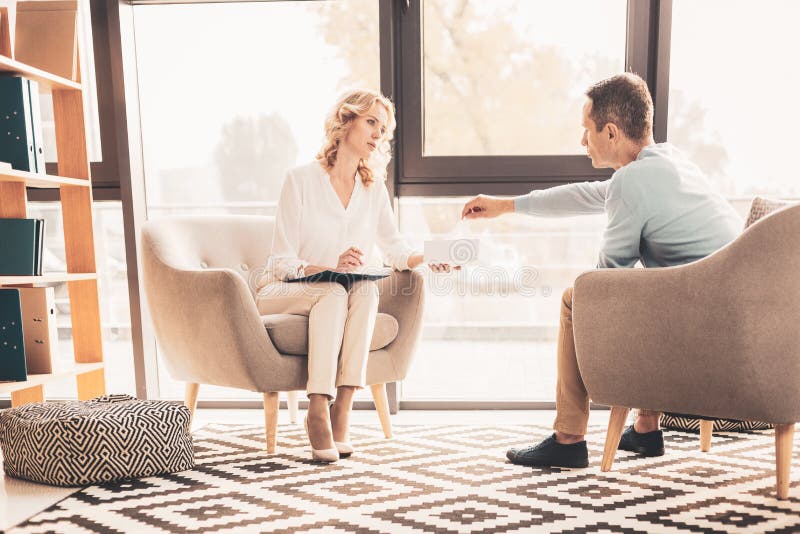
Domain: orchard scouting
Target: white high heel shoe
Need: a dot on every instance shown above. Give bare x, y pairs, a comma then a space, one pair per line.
345, 448
321, 455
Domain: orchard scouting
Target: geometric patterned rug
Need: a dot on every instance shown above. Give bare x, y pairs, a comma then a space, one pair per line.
448, 479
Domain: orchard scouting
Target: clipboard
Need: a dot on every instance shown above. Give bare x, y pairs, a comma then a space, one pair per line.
344, 278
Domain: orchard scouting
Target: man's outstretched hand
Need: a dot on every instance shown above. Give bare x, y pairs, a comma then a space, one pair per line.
486, 207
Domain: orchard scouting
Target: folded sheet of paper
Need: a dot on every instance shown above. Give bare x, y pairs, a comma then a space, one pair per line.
462, 251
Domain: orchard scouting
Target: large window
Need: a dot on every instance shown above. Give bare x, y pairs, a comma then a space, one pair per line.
492, 91
507, 77
224, 118
489, 98
500, 89
732, 98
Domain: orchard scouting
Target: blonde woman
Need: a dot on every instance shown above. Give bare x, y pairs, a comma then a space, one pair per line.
330, 215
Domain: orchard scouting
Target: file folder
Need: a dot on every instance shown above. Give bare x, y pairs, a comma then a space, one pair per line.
39, 328
345, 279
16, 134
19, 246
36, 126
12, 342
39, 247
46, 36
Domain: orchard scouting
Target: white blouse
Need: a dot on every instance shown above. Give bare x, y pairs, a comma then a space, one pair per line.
312, 227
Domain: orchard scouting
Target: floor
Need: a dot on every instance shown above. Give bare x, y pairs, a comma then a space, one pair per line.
20, 500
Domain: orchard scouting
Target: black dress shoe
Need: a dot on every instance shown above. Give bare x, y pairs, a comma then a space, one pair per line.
646, 444
550, 453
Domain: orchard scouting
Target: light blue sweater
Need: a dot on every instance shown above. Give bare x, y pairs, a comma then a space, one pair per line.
661, 210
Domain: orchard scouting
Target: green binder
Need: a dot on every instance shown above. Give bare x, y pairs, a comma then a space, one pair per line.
38, 250
18, 243
12, 341
36, 126
16, 120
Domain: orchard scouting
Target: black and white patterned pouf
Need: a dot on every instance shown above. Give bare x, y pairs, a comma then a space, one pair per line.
688, 423
109, 438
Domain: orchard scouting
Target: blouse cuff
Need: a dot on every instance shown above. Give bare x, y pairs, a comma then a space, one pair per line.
299, 271
402, 264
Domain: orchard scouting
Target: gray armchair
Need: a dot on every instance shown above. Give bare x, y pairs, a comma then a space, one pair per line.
200, 274
719, 337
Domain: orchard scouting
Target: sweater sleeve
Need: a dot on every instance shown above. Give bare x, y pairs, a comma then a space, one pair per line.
623, 234
284, 263
582, 198
394, 248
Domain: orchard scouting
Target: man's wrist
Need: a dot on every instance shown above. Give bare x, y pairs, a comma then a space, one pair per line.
509, 205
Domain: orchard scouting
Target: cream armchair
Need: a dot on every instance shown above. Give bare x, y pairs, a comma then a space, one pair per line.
199, 274
719, 337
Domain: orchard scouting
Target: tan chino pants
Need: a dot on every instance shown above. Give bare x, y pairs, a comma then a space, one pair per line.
340, 327
572, 400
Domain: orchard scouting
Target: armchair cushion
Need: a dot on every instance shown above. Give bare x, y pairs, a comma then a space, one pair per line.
289, 333
762, 207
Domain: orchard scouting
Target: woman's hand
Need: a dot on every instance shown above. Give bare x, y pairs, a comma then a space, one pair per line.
350, 260
417, 259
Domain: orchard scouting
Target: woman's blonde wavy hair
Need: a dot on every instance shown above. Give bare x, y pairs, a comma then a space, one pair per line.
350, 106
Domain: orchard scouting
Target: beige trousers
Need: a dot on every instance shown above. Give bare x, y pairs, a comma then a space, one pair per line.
340, 327
572, 400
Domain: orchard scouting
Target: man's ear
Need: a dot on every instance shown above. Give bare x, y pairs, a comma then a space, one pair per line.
612, 131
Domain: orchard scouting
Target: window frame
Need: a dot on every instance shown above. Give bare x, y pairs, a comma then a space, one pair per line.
647, 53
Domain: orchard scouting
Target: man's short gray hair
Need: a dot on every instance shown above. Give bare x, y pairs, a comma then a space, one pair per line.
623, 100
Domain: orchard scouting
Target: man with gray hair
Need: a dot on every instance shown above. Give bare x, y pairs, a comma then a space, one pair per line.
661, 211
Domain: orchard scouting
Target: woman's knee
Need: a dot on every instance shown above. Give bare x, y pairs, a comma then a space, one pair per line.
330, 290
366, 291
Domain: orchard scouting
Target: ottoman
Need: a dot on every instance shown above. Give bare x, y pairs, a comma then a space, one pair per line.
688, 423
109, 438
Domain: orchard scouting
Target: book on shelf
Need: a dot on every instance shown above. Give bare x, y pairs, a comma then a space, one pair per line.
46, 36
36, 126
16, 144
12, 341
38, 250
40, 331
21, 243
5, 32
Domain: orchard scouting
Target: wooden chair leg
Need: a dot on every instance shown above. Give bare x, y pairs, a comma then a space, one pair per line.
784, 434
706, 429
190, 400
382, 406
616, 424
292, 404
271, 403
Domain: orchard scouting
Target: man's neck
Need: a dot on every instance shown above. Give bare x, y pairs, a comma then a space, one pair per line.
631, 151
